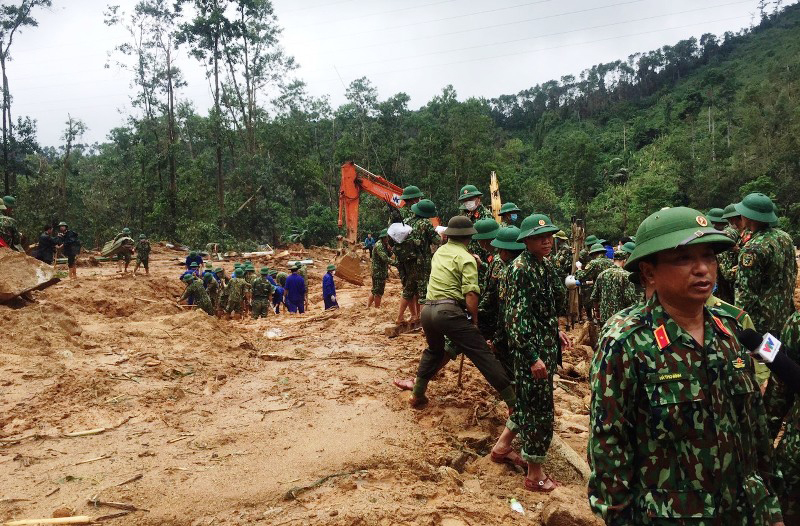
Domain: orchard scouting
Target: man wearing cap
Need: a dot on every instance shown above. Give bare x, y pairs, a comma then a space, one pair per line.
329, 288
262, 291
381, 259
142, 254
278, 295
509, 213
767, 271
583, 255
46, 248
9, 233
470, 199
194, 257
295, 290
424, 238
598, 263
237, 290
613, 290
533, 297
222, 290
195, 294
563, 255
451, 311
677, 423
724, 289
486, 232
411, 196
67, 241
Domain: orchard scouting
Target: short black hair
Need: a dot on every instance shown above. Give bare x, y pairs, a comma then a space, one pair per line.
460, 239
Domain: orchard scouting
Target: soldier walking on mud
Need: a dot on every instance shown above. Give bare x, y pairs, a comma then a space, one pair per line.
381, 259
142, 255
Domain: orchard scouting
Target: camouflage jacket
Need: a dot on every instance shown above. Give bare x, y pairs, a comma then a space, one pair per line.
474, 247
592, 270
197, 294
262, 289
380, 261
613, 292
766, 279
423, 235
778, 399
728, 259
533, 296
237, 289
563, 260
9, 232
143, 249
677, 429
489, 306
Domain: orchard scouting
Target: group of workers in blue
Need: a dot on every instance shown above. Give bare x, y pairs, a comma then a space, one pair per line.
289, 289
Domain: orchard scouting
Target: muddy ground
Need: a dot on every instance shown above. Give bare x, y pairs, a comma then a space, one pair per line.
208, 421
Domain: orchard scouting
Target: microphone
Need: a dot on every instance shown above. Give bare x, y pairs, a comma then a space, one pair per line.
767, 347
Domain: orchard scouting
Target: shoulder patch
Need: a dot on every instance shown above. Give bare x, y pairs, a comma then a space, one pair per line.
721, 326
748, 259
661, 337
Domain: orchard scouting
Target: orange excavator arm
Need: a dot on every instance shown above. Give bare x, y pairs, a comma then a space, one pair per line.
355, 180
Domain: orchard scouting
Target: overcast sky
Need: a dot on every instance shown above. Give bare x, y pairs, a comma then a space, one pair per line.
414, 46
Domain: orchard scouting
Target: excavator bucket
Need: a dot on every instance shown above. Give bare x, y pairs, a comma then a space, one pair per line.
21, 273
349, 269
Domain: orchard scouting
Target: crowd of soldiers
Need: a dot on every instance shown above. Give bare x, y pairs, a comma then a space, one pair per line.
682, 430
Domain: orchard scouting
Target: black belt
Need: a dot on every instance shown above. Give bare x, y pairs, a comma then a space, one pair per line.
441, 302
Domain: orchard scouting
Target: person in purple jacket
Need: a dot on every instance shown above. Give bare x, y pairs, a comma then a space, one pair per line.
329, 289
295, 290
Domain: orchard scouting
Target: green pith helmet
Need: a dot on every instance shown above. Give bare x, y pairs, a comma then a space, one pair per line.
273, 272
126, 231
295, 266
209, 265
237, 265
730, 211
2, 205
561, 235
459, 226
673, 228
487, 229
597, 248
535, 225
194, 264
507, 239
468, 192
63, 223
249, 267
9, 201
411, 192
591, 240
384, 233
507, 208
193, 253
187, 277
331, 267
238, 272
219, 270
142, 236
629, 247
715, 215
424, 208
757, 207
264, 271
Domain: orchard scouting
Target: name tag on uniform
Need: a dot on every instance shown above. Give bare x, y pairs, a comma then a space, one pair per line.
660, 378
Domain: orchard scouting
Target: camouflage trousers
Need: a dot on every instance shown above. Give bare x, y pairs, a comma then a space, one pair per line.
534, 415
787, 457
234, 305
424, 276
378, 285
259, 308
214, 297
410, 277
206, 306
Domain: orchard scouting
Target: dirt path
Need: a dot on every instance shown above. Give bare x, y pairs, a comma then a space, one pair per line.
227, 425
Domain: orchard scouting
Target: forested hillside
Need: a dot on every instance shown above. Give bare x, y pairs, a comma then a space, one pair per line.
700, 123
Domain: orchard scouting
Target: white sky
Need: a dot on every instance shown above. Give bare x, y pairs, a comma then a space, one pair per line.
415, 46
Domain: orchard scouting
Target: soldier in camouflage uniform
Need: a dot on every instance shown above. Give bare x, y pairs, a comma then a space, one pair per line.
588, 275
222, 297
509, 213
423, 235
767, 270
677, 427
196, 294
237, 292
470, 199
583, 255
613, 290
534, 295
411, 196
563, 255
381, 259
262, 295
727, 259
783, 404
487, 231
142, 254
9, 234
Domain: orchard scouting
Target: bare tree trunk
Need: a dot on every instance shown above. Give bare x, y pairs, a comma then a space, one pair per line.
218, 138
172, 197
6, 119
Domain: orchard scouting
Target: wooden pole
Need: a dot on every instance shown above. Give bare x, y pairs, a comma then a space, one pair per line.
460, 370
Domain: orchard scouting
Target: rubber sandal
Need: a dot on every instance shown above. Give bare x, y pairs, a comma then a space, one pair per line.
538, 486
510, 457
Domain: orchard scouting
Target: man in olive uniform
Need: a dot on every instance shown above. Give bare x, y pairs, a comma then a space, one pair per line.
767, 270
424, 237
451, 311
262, 294
613, 290
598, 263
509, 214
142, 255
534, 295
381, 259
677, 424
783, 405
9, 233
196, 294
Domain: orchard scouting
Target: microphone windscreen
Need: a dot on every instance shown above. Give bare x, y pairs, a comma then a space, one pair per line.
750, 339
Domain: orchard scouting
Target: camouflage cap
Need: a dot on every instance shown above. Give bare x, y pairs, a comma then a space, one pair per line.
672, 228
487, 229
468, 192
535, 225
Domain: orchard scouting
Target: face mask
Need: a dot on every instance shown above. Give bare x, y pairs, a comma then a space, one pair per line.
513, 217
470, 205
